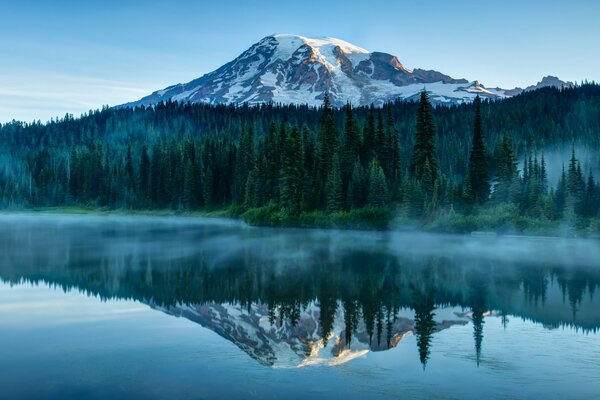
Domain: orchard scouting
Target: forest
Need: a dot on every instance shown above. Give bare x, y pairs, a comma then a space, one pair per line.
458, 168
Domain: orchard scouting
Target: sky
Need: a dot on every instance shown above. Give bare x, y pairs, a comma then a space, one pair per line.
66, 56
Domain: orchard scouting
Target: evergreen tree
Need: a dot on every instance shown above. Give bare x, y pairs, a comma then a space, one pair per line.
357, 190
378, 191
189, 185
506, 170
478, 187
129, 169
328, 143
394, 163
588, 206
369, 139
245, 163
333, 188
560, 196
424, 147
251, 189
309, 190
575, 182
292, 174
144, 172
156, 184
349, 148
272, 163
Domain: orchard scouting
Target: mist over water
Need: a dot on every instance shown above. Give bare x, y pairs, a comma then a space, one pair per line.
441, 308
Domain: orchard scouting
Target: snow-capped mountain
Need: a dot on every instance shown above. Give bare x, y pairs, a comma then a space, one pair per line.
295, 69
283, 345
291, 69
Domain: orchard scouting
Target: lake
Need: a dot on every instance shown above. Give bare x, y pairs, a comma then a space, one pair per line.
107, 307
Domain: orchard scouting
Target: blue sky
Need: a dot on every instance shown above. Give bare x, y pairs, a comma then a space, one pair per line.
70, 56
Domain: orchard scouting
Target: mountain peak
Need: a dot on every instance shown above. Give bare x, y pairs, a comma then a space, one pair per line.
550, 81
318, 43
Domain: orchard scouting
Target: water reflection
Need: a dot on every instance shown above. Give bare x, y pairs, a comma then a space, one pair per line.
295, 297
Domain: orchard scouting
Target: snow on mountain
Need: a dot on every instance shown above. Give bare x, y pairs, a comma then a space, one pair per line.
295, 69
299, 70
283, 345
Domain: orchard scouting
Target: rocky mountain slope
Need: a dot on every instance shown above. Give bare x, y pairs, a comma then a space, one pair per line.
294, 69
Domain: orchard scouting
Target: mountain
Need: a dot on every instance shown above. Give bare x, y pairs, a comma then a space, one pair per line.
547, 81
295, 69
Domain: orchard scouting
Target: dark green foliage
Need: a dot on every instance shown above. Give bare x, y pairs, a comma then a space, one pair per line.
144, 173
478, 187
327, 144
358, 187
333, 187
245, 163
424, 153
391, 160
369, 139
378, 192
506, 170
292, 174
349, 148
290, 161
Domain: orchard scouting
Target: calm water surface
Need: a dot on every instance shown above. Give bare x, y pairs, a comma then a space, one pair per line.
172, 308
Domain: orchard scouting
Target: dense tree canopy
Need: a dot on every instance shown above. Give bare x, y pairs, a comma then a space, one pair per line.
412, 159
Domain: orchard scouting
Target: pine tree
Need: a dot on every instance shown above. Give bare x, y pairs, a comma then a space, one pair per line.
357, 190
272, 163
328, 144
292, 174
424, 147
378, 191
428, 178
369, 139
309, 189
560, 196
506, 170
588, 206
394, 172
381, 148
333, 188
207, 187
189, 185
478, 187
349, 148
129, 169
251, 189
74, 175
144, 172
543, 177
156, 183
261, 195
245, 162
575, 182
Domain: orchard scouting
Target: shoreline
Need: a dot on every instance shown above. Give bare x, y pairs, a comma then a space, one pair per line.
394, 224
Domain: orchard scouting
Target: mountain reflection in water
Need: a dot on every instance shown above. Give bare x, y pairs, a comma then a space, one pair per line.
305, 297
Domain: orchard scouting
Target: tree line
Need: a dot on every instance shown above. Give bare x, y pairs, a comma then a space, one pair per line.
284, 163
